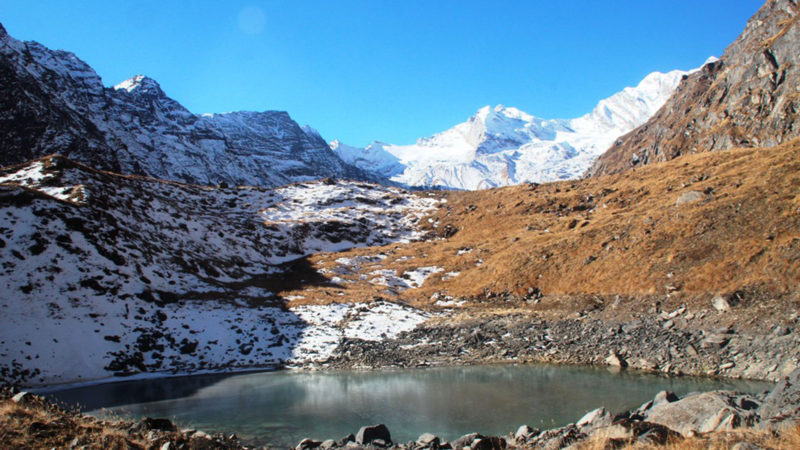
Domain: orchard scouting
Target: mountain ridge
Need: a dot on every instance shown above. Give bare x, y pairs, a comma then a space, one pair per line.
749, 98
501, 145
53, 102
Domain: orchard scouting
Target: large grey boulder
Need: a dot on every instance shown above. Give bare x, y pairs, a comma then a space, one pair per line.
370, 434
704, 412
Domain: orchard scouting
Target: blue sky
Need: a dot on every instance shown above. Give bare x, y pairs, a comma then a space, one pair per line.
384, 70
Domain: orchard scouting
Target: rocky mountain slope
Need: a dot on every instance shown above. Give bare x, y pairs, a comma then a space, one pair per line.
52, 102
749, 98
103, 273
503, 146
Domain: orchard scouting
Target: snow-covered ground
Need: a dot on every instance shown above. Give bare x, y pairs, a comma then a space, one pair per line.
138, 275
501, 146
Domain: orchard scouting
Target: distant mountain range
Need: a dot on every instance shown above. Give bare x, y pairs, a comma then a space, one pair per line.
501, 146
52, 102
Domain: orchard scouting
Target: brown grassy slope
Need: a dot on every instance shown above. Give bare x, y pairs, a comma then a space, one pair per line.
620, 234
38, 423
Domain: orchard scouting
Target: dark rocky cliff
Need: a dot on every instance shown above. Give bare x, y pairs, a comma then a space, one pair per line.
749, 98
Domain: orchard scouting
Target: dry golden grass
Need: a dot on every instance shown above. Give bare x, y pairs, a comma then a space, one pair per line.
614, 235
788, 439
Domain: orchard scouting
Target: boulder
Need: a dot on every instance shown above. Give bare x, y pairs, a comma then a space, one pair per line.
307, 443
466, 440
429, 440
615, 360
689, 197
330, 443
705, 412
153, 424
22, 398
597, 418
370, 434
720, 304
524, 433
664, 397
488, 443
783, 402
347, 439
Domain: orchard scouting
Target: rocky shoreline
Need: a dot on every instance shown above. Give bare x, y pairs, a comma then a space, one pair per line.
666, 343
719, 418
671, 342
664, 420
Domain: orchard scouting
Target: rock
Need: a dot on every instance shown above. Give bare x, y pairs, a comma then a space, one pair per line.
615, 360
22, 398
167, 446
428, 440
369, 434
726, 366
558, 438
653, 434
524, 433
664, 397
720, 304
708, 411
349, 438
330, 443
783, 402
597, 418
725, 419
488, 443
466, 440
781, 331
307, 443
379, 443
715, 341
644, 364
153, 424
689, 197
202, 435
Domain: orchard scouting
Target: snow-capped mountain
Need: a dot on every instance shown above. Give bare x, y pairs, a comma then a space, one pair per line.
52, 102
111, 274
501, 146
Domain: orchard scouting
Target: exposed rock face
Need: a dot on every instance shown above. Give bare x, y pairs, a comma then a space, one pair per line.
749, 98
52, 102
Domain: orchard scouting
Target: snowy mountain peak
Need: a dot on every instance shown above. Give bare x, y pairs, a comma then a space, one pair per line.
502, 145
139, 83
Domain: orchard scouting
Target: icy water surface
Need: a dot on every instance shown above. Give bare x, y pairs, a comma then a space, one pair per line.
281, 408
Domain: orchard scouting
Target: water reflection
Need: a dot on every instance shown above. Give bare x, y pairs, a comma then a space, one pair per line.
280, 408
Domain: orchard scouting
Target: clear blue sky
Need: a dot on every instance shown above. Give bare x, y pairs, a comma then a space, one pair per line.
384, 70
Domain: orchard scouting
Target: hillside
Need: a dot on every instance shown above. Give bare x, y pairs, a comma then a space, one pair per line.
111, 274
749, 98
681, 231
